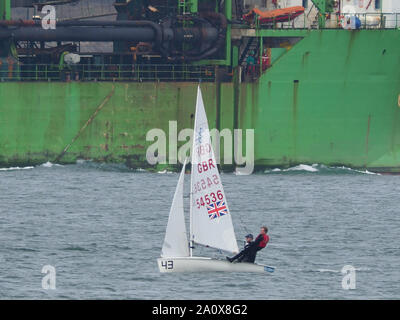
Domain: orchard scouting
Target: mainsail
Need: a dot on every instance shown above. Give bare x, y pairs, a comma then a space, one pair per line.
211, 222
176, 242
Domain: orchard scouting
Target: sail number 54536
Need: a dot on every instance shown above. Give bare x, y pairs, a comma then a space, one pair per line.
208, 198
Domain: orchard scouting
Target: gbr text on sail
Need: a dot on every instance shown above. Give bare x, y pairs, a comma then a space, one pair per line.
165, 150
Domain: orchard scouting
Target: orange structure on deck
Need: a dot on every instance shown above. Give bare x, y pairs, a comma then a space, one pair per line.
278, 15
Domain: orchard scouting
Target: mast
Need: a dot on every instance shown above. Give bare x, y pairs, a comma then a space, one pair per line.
191, 182
190, 215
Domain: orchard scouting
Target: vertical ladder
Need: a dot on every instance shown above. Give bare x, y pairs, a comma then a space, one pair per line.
181, 6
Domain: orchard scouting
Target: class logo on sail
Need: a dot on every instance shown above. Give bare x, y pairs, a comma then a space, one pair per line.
199, 137
217, 209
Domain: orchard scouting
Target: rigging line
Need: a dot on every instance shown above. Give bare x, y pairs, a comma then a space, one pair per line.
246, 231
243, 225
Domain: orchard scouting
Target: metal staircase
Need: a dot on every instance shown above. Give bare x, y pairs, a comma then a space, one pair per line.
252, 45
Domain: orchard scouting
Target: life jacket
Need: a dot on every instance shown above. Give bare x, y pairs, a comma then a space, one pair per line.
264, 241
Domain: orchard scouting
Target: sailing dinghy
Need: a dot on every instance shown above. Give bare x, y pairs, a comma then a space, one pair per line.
210, 218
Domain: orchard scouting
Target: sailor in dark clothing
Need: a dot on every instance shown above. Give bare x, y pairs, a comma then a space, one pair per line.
248, 254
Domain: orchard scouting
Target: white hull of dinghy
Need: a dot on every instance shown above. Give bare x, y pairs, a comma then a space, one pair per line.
201, 264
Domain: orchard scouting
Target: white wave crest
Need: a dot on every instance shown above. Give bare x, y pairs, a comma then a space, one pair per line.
300, 167
303, 167
355, 170
328, 270
165, 172
48, 164
16, 168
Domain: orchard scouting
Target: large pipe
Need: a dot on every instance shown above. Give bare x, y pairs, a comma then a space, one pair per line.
80, 34
137, 24
145, 31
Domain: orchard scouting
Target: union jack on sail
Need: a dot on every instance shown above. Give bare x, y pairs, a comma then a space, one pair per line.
217, 209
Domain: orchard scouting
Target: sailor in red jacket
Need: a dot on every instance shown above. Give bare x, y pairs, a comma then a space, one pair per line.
262, 239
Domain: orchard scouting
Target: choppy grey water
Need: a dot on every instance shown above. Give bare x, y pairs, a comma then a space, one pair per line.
102, 227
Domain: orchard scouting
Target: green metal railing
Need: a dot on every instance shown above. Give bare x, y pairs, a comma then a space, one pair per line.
108, 72
379, 20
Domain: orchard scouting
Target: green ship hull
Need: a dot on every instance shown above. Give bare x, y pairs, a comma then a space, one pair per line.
332, 99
